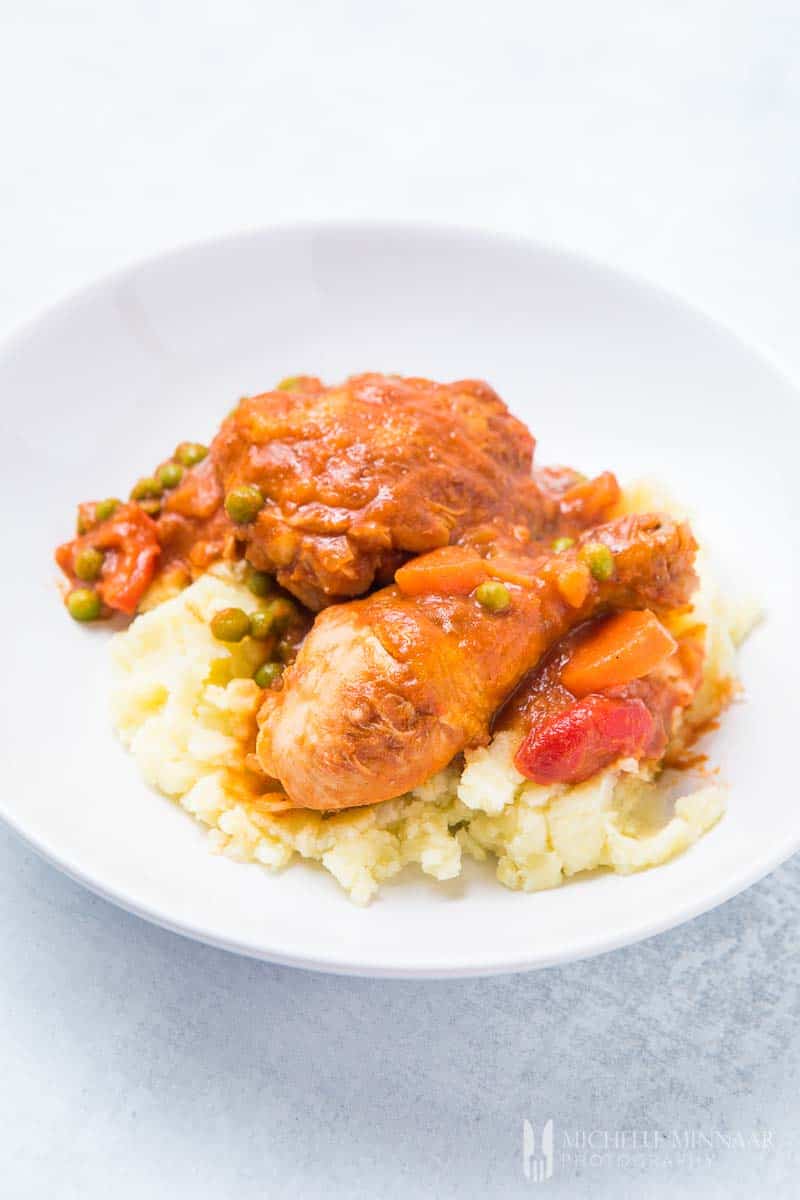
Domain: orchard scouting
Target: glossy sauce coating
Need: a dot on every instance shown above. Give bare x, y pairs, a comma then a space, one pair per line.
357, 478
386, 690
568, 739
354, 480
331, 491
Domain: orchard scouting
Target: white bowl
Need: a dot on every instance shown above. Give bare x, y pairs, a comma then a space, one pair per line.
608, 372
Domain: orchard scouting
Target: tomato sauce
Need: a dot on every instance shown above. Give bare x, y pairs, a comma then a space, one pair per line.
569, 739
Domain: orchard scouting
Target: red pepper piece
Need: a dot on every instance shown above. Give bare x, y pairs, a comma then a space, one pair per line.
586, 736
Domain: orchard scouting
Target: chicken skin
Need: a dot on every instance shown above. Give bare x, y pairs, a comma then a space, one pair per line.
358, 477
332, 488
388, 689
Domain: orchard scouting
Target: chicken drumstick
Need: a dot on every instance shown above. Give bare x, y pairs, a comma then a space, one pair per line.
386, 690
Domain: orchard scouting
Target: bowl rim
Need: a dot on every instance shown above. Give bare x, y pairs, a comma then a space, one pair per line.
578, 947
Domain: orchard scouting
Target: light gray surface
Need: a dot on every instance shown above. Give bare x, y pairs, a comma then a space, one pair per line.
174, 1069
662, 138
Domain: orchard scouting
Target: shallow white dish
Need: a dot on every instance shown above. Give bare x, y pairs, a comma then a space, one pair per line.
608, 372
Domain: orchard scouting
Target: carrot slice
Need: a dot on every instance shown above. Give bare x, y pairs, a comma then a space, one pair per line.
512, 570
622, 647
452, 571
590, 500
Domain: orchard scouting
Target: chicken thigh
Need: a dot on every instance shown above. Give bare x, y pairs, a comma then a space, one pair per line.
356, 478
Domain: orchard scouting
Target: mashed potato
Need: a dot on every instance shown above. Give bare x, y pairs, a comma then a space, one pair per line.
185, 705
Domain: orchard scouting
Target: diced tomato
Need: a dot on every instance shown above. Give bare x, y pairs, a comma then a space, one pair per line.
586, 736
131, 549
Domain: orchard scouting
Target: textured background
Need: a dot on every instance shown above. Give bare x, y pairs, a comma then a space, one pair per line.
661, 138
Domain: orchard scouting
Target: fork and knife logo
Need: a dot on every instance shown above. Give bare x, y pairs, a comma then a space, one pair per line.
537, 1167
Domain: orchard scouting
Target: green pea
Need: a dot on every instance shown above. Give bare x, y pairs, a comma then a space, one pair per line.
146, 489
287, 651
259, 582
189, 454
563, 543
260, 625
88, 563
275, 618
106, 508
267, 673
292, 383
83, 604
151, 507
170, 475
281, 613
599, 560
230, 625
243, 503
493, 595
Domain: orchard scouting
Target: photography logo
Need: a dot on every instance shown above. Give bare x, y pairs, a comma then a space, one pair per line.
537, 1166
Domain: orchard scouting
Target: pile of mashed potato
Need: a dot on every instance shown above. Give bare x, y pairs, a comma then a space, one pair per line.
185, 705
